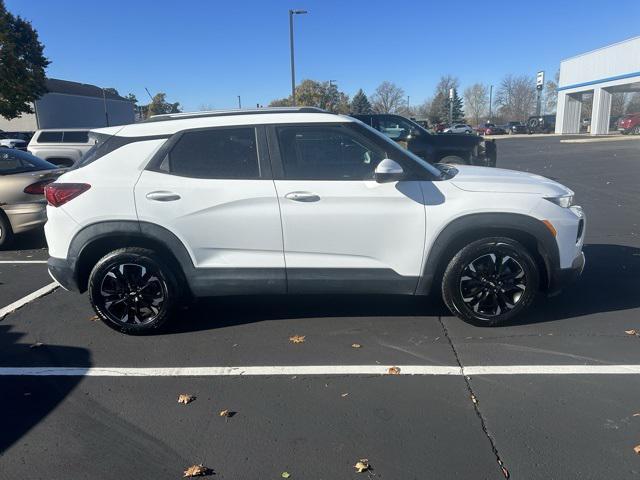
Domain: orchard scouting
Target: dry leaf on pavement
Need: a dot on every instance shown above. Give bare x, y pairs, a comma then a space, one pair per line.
637, 449
94, 318
474, 399
636, 414
344, 394
225, 413
196, 471
362, 465
631, 332
185, 399
394, 371
297, 338
285, 475
356, 345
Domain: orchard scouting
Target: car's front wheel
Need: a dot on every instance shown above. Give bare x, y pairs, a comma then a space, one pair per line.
133, 291
490, 281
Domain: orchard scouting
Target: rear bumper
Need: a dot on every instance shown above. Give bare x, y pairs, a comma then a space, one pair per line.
63, 272
489, 157
565, 276
26, 216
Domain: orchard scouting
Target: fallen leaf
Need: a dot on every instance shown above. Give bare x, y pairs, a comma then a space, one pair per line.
344, 395
297, 339
636, 414
505, 472
637, 449
185, 399
196, 471
356, 345
285, 475
226, 413
394, 371
362, 465
474, 399
631, 332
36, 345
94, 318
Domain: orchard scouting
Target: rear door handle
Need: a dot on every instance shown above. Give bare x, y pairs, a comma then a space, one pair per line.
303, 196
163, 196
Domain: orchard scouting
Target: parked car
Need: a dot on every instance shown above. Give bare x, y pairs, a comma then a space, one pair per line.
61, 147
459, 128
291, 201
490, 129
542, 124
516, 127
630, 124
9, 142
454, 149
22, 181
440, 127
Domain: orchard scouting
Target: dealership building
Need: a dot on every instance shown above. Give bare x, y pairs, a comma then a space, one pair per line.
73, 105
602, 72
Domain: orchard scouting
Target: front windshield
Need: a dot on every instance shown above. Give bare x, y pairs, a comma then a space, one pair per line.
395, 147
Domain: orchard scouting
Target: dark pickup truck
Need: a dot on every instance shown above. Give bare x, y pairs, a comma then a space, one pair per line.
451, 148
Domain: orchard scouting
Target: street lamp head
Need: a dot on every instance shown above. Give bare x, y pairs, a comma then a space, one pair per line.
297, 12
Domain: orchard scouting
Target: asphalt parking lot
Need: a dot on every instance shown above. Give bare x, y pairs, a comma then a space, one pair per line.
451, 420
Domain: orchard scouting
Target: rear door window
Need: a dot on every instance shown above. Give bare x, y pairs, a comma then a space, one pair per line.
223, 153
50, 137
75, 137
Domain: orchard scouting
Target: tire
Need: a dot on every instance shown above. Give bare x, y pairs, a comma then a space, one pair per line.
636, 130
6, 232
122, 273
454, 160
470, 273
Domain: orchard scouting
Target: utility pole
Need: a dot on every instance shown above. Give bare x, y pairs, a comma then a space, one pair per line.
293, 68
408, 103
104, 102
239, 102
539, 87
450, 106
490, 100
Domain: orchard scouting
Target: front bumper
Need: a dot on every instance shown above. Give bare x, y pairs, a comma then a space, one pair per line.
63, 272
565, 276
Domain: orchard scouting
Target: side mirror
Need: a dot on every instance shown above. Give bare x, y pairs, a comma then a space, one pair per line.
388, 171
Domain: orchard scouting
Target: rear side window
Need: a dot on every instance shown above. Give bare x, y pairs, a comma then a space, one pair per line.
50, 137
225, 153
64, 137
75, 137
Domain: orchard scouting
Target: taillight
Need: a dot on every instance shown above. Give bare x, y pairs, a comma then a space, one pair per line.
60, 193
38, 187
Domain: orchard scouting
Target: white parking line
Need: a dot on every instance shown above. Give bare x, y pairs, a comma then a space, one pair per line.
12, 307
22, 261
322, 370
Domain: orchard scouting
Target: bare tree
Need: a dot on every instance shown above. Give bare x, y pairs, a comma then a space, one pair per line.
551, 94
476, 101
424, 108
388, 98
446, 83
516, 97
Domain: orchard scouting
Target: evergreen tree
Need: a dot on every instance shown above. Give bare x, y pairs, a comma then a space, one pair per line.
22, 65
360, 103
444, 105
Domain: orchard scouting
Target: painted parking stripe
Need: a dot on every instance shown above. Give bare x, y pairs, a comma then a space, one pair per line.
12, 307
22, 261
302, 370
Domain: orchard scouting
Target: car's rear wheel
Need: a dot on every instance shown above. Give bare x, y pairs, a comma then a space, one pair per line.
133, 291
454, 160
6, 232
490, 281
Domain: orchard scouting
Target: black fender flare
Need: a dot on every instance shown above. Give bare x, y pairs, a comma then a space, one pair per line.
484, 224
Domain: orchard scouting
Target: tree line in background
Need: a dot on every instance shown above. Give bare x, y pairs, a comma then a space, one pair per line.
514, 99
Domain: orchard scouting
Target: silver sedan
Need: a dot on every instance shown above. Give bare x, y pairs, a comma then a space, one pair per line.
22, 181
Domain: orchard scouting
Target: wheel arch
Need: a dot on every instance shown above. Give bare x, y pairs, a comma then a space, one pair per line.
529, 231
96, 240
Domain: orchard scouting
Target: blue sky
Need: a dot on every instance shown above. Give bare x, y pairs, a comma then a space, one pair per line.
207, 52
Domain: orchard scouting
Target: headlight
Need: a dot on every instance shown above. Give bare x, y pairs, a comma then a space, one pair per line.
564, 201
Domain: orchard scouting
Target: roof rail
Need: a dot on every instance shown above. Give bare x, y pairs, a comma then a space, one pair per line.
224, 113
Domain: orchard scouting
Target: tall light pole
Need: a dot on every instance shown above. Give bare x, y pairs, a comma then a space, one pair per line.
293, 68
490, 100
239, 102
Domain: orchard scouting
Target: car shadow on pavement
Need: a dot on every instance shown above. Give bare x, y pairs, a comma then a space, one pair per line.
610, 282
31, 240
26, 400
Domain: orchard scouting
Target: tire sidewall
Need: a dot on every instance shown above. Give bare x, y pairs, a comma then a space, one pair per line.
147, 259
451, 280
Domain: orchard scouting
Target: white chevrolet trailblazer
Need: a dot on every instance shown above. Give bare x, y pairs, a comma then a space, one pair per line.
298, 200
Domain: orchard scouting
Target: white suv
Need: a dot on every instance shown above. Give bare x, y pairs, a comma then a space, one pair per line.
286, 201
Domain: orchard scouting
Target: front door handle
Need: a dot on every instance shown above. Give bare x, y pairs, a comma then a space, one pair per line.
163, 196
303, 196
